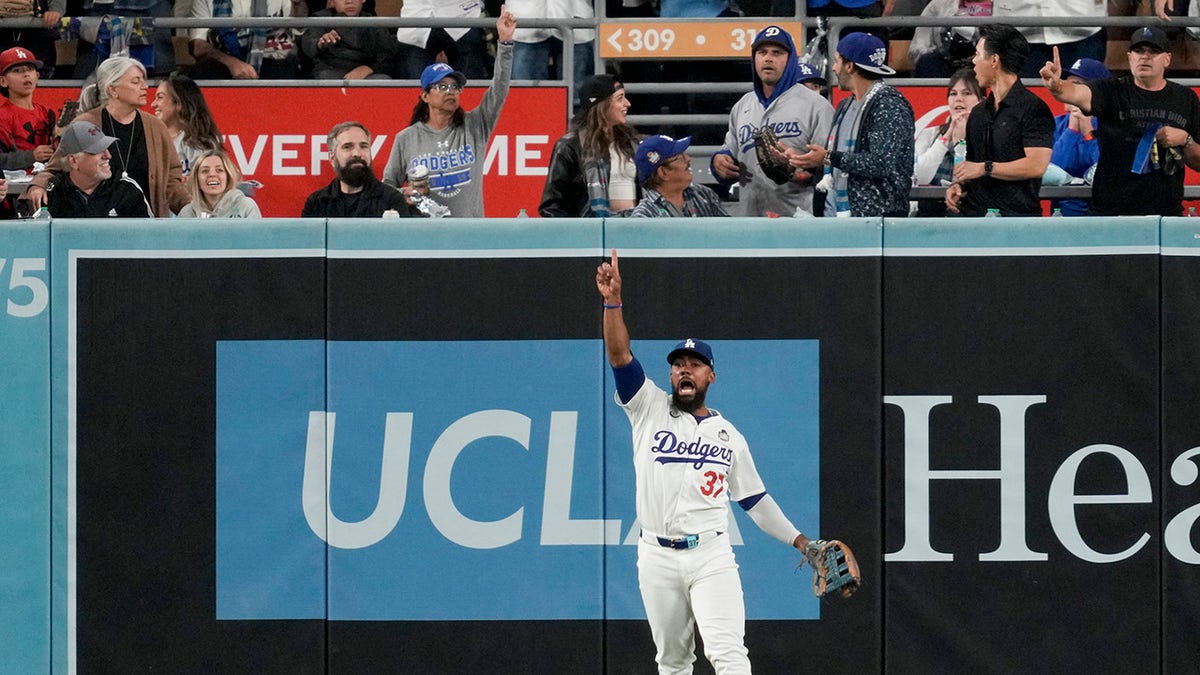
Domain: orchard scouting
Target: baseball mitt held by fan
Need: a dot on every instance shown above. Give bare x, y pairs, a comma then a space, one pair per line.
834, 567
770, 156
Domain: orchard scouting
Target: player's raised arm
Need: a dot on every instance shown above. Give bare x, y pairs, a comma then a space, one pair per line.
616, 336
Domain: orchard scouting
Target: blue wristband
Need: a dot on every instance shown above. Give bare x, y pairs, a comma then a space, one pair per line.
616, 306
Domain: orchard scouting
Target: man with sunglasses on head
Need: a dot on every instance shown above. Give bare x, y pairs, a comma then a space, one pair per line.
1147, 131
448, 141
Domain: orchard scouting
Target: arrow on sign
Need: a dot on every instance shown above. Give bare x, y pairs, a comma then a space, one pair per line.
612, 40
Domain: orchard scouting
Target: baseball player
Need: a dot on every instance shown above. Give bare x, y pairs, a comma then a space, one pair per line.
689, 462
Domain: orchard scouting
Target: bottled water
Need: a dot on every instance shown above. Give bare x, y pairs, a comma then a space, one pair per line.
44, 214
992, 213
960, 152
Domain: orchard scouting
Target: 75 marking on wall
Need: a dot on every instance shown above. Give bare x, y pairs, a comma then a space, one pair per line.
26, 293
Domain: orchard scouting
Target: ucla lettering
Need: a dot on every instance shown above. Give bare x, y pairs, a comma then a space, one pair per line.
698, 452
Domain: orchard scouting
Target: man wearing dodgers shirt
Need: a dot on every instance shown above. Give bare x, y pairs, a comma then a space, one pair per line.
688, 461
796, 114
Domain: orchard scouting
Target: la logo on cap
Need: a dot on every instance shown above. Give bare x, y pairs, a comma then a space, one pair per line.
22, 54
689, 343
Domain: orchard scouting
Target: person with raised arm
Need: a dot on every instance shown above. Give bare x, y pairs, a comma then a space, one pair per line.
1147, 129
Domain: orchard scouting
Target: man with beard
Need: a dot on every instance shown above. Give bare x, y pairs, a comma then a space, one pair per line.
87, 188
869, 155
689, 462
356, 192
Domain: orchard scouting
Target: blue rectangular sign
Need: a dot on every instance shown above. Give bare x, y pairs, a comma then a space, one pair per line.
475, 480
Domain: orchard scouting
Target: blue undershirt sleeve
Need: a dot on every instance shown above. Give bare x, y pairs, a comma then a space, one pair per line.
629, 378
749, 502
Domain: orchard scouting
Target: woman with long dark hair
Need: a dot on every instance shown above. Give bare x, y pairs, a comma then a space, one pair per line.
445, 142
592, 173
935, 146
180, 104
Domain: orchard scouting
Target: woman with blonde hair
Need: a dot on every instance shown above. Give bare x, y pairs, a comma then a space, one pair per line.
592, 173
213, 184
143, 150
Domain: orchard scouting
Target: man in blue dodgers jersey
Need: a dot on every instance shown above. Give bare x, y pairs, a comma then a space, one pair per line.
796, 114
688, 461
449, 141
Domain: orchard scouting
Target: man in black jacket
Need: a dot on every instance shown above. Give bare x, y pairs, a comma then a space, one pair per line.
87, 187
356, 192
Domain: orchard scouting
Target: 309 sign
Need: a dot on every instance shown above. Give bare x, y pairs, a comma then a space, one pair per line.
717, 39
27, 294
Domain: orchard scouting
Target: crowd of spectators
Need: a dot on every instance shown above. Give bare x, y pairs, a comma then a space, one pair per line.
992, 153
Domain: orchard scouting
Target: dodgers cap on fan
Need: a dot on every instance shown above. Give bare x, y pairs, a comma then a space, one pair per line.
81, 136
652, 152
694, 347
1089, 69
770, 34
16, 56
865, 51
436, 72
1150, 35
809, 72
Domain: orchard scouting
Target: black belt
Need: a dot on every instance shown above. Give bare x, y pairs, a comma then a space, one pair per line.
682, 543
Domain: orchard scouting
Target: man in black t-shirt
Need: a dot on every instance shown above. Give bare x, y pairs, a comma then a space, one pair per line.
1147, 130
1010, 134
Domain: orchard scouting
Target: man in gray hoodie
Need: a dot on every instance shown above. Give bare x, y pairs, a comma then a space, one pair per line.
448, 141
796, 114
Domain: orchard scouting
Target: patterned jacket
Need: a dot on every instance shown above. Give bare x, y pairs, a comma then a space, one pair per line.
880, 168
699, 201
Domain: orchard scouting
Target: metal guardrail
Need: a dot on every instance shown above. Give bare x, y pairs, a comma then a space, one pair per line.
835, 25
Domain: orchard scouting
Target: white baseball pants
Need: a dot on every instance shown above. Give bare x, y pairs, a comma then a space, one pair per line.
689, 587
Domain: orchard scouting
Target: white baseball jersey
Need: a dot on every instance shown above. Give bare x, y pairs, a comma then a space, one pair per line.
686, 470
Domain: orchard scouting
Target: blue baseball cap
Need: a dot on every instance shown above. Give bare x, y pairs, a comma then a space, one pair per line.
772, 34
809, 72
865, 51
1089, 69
652, 152
437, 72
694, 347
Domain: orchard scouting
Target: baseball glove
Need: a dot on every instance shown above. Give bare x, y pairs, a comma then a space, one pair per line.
834, 567
769, 151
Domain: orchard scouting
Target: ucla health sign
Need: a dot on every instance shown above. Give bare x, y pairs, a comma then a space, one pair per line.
415, 477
